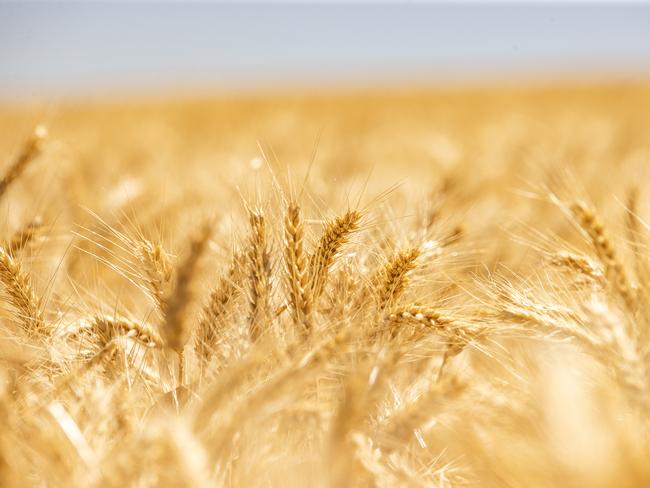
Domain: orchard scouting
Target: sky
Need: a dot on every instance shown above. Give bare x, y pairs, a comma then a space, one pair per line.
73, 48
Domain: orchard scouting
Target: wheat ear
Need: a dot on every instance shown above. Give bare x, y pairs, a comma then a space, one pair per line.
425, 316
176, 326
456, 335
394, 277
298, 291
336, 234
21, 295
31, 150
109, 328
259, 269
213, 314
158, 270
614, 269
24, 236
578, 264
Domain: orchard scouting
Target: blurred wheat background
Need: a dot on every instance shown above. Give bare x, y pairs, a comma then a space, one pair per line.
412, 282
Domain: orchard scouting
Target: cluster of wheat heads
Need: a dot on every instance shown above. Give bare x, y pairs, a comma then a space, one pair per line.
303, 347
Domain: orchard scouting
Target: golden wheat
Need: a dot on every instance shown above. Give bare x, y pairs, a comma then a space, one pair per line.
446, 331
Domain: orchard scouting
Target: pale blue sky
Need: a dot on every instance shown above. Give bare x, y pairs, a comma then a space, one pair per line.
78, 48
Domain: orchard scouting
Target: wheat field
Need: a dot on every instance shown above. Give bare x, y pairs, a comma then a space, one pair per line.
435, 287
